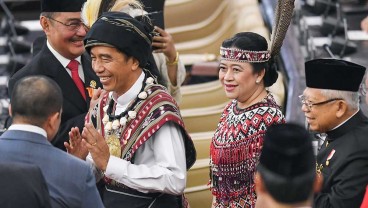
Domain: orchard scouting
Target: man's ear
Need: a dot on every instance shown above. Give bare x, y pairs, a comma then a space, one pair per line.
135, 64
342, 108
10, 111
45, 24
52, 125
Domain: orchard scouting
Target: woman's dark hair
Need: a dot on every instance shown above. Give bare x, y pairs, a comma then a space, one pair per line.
254, 42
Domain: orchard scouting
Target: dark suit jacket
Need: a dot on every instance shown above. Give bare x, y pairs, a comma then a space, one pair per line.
22, 185
70, 180
345, 174
74, 106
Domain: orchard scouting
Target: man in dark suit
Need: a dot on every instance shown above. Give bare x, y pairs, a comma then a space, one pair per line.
36, 110
331, 105
22, 185
62, 59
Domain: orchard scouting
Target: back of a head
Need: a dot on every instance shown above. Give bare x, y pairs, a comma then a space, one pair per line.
287, 163
253, 42
34, 98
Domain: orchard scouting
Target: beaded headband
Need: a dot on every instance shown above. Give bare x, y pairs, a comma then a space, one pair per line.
238, 55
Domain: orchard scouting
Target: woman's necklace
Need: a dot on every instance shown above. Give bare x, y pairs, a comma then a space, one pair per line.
114, 124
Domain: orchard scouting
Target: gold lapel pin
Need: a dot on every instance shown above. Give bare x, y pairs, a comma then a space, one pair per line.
93, 84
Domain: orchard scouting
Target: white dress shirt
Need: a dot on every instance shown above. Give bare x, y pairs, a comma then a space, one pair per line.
29, 128
64, 61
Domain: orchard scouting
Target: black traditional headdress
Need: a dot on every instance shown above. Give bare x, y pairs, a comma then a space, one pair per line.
112, 27
61, 5
333, 74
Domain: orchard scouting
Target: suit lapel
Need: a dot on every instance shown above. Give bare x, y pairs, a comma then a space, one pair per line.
55, 70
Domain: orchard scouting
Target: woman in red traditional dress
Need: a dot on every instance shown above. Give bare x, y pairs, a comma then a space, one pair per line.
245, 72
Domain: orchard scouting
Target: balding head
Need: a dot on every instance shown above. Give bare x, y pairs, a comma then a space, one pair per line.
35, 99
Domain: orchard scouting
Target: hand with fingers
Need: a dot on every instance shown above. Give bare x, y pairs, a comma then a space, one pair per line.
75, 146
164, 44
96, 145
97, 94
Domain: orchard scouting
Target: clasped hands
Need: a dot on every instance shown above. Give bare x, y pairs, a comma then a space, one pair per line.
89, 141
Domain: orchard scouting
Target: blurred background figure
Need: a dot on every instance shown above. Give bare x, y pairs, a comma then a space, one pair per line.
22, 185
237, 142
62, 59
36, 111
330, 103
286, 173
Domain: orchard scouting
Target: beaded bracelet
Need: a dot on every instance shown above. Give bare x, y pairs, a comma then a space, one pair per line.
175, 62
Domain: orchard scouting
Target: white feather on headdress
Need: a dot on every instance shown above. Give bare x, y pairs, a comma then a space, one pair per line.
91, 8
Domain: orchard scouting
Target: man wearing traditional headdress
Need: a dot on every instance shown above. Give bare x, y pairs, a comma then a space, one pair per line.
164, 61
331, 105
62, 58
138, 140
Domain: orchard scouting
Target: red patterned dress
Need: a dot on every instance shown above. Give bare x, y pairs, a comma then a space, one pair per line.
235, 150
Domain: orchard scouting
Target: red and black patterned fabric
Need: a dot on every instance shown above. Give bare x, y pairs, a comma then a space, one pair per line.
235, 150
152, 113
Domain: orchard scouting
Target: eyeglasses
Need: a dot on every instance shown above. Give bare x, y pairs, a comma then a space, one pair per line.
309, 104
73, 26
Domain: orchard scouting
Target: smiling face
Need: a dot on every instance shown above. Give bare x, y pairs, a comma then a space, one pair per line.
321, 118
239, 80
66, 41
116, 71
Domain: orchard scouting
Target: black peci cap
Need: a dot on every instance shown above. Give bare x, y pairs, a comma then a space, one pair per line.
286, 162
61, 5
333, 74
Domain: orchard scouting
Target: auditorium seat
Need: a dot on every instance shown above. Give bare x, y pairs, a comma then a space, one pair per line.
186, 12
202, 95
202, 141
202, 119
201, 28
197, 189
199, 173
199, 196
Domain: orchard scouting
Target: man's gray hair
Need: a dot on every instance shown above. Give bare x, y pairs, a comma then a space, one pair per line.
48, 14
351, 98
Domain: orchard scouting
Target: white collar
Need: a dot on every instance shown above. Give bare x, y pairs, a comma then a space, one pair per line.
64, 61
131, 94
29, 128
